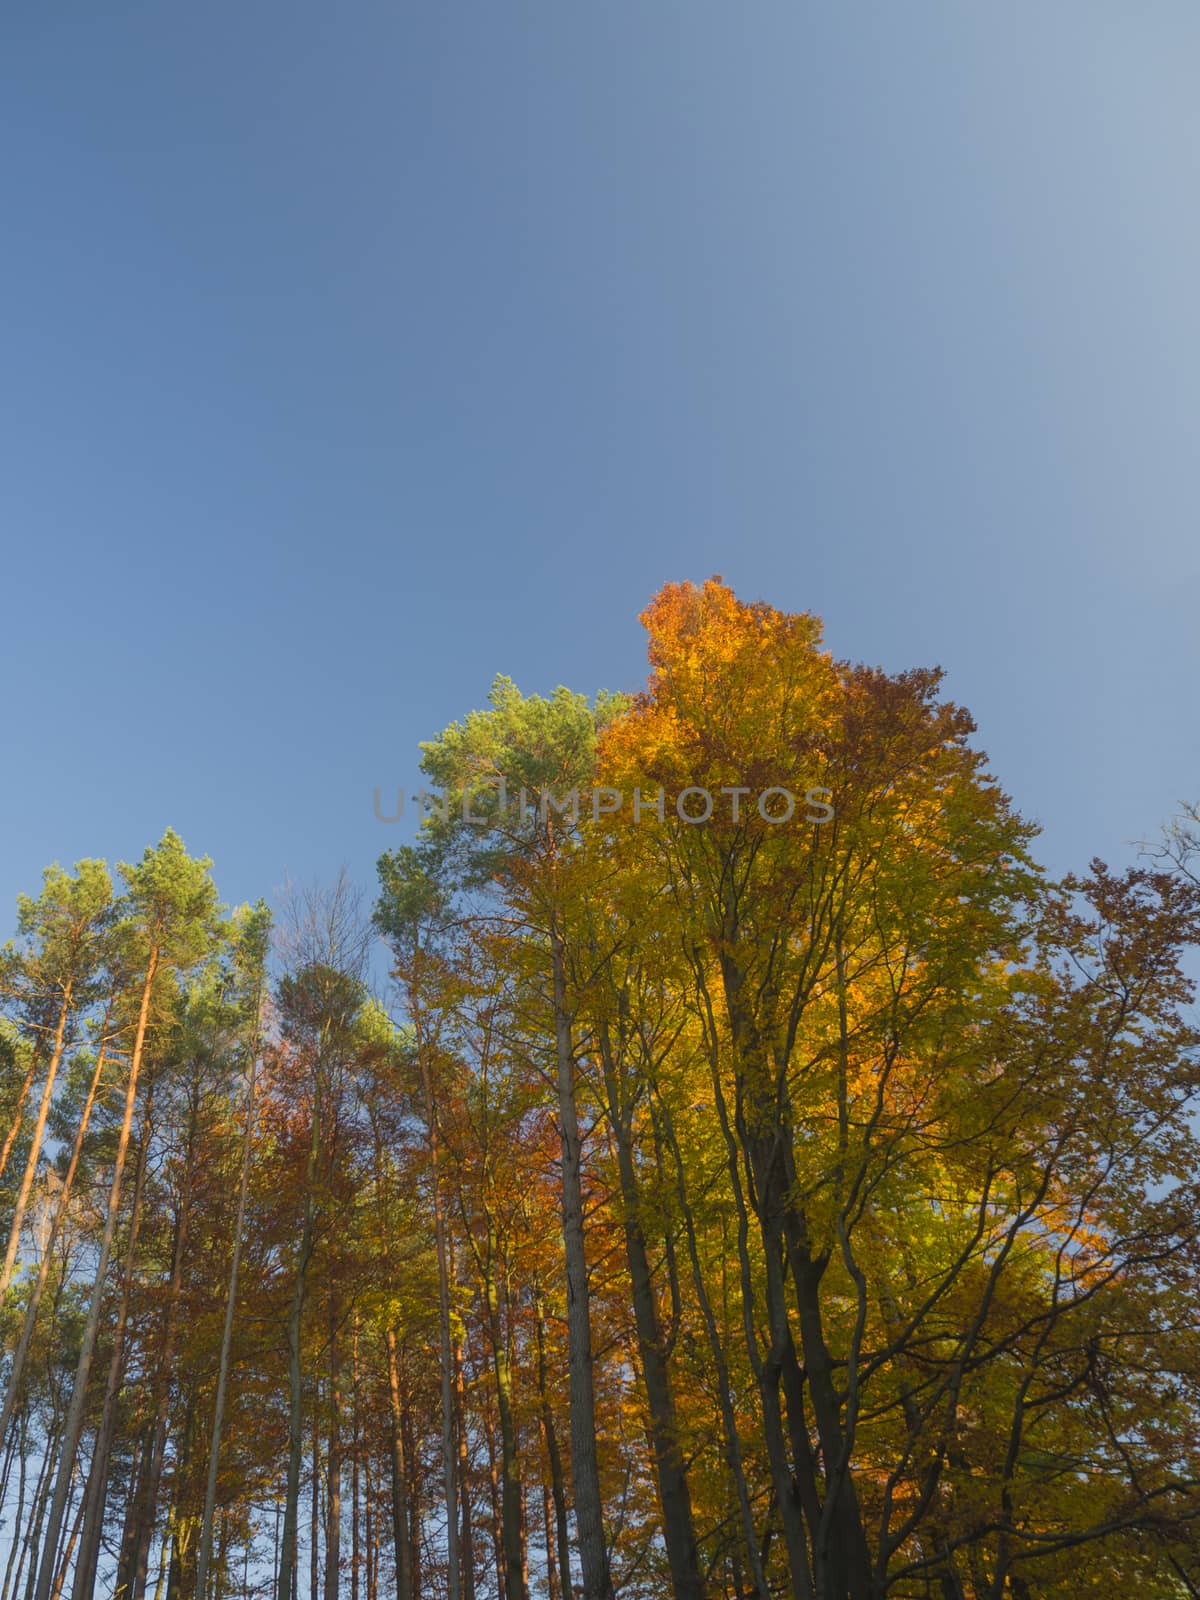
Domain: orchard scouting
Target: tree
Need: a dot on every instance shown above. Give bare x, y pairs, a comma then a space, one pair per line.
169, 916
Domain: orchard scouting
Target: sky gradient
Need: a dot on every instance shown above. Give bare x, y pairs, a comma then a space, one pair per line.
355, 355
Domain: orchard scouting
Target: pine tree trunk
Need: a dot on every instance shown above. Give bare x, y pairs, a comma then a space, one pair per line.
204, 1551
128, 1548
65, 1560
97, 1485
74, 1422
21, 1204
14, 1541
21, 1353
14, 1128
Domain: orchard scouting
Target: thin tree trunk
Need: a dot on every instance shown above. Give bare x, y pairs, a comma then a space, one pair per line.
148, 1498
21, 1203
314, 1547
548, 1532
355, 1471
291, 1513
204, 1552
74, 1422
35, 1299
333, 1475
405, 1589
96, 1493
34, 1547
589, 1514
508, 1553
65, 1562
137, 1479
499, 1555
553, 1455
467, 1537
733, 1445
14, 1543
679, 1531
453, 1554
416, 1551
14, 1129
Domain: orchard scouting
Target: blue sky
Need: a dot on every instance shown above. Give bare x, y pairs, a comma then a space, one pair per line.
353, 355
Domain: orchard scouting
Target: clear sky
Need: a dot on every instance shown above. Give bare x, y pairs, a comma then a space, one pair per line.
354, 354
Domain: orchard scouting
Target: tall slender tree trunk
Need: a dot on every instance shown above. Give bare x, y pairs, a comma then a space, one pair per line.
21, 1354
291, 1513
137, 1477
33, 1546
314, 1543
21, 1204
333, 1475
147, 1503
68, 1550
96, 1495
446, 1351
589, 1515
553, 1455
548, 1541
14, 1127
508, 1549
733, 1444
767, 1368
405, 1588
74, 1421
355, 1470
10, 1451
204, 1550
467, 1535
14, 1541
415, 1512
675, 1500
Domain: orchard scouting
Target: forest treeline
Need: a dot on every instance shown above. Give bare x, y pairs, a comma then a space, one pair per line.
723, 1208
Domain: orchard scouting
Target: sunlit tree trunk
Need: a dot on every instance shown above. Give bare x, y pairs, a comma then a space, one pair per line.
97, 1482
21, 1354
21, 1203
74, 1421
14, 1127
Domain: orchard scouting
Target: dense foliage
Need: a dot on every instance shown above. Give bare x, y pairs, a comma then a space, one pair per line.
718, 1203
